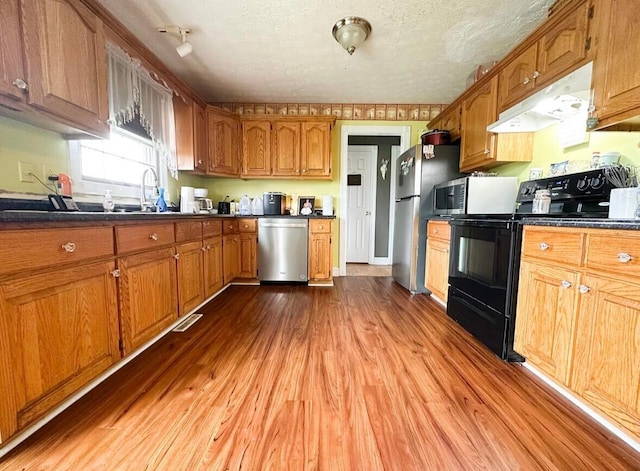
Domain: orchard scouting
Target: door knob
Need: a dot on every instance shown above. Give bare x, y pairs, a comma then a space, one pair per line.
367, 213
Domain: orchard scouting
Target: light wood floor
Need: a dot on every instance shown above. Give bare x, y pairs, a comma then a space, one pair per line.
357, 377
364, 269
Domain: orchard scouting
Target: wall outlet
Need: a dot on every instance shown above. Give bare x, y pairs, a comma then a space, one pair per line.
26, 171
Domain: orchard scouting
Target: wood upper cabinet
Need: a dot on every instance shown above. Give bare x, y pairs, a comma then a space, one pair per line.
546, 318
213, 265
256, 148
191, 134
148, 296
320, 251
449, 120
437, 266
11, 69
316, 150
58, 331
478, 111
564, 46
285, 154
65, 62
223, 137
190, 276
616, 79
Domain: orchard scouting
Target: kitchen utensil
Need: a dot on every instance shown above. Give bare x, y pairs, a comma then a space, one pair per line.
621, 176
437, 137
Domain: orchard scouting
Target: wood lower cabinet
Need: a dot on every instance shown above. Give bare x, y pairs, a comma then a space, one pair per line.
320, 251
190, 276
248, 229
616, 79
437, 260
213, 266
230, 257
223, 131
58, 331
148, 296
578, 316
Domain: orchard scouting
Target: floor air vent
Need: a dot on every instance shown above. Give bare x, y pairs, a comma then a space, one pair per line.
188, 322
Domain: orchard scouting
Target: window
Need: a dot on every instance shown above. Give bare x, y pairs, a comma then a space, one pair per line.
116, 164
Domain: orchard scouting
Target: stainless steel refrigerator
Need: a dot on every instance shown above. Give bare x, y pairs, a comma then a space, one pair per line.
414, 181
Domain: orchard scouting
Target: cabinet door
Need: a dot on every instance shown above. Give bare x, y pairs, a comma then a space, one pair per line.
285, 155
563, 47
256, 146
213, 269
231, 257
248, 256
58, 331
606, 370
478, 112
449, 122
200, 138
185, 132
437, 275
148, 296
517, 78
545, 320
223, 145
65, 62
190, 276
320, 268
316, 150
616, 79
10, 50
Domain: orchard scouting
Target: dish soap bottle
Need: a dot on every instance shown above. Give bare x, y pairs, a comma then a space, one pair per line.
161, 204
107, 202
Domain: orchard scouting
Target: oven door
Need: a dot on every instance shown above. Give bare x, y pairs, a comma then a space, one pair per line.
482, 259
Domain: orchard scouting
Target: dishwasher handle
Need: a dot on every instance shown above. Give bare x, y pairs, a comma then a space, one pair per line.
268, 224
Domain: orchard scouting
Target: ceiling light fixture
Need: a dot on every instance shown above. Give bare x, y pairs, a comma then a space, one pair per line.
351, 32
186, 47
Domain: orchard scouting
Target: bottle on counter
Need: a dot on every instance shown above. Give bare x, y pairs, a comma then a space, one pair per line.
542, 202
161, 204
244, 206
107, 202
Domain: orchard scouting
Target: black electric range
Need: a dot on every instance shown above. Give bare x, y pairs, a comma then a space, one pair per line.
485, 255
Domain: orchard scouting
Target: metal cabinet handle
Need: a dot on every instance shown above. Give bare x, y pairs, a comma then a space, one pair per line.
153, 237
536, 74
115, 273
526, 81
624, 257
544, 246
584, 289
177, 256
21, 84
69, 247
566, 284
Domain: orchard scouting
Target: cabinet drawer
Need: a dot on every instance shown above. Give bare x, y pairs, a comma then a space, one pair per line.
247, 225
230, 226
29, 249
439, 230
612, 251
320, 226
212, 228
148, 236
188, 230
548, 243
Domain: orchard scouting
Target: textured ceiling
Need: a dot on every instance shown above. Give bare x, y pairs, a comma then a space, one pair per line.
282, 51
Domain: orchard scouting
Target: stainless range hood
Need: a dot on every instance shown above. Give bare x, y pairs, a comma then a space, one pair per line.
557, 102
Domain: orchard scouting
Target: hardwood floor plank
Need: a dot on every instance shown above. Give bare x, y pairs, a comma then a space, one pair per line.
359, 376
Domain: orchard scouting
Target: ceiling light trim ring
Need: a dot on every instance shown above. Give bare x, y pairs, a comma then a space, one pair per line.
360, 23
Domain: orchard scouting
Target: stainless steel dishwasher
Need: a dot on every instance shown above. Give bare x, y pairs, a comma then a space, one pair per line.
283, 246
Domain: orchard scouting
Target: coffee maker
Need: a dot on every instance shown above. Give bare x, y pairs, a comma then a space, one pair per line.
202, 203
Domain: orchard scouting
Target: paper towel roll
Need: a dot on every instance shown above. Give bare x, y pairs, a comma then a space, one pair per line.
327, 205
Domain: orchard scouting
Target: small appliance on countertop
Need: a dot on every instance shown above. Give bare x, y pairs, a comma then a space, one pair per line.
476, 194
274, 203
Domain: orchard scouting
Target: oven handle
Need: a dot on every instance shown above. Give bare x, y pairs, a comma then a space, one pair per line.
490, 223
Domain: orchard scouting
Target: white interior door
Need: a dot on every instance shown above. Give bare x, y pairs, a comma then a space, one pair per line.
361, 162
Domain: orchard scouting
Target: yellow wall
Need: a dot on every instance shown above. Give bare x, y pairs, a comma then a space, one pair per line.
547, 150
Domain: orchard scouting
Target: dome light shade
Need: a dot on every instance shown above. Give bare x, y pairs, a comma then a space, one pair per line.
351, 32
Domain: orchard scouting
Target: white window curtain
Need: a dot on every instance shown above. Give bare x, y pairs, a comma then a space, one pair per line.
133, 90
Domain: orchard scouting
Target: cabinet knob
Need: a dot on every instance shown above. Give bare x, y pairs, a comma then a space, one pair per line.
69, 247
200, 162
153, 237
526, 81
321, 227
115, 273
177, 256
624, 257
566, 284
536, 74
435, 231
584, 289
544, 246
21, 84
487, 151
203, 249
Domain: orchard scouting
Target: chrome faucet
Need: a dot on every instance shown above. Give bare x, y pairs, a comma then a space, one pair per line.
144, 204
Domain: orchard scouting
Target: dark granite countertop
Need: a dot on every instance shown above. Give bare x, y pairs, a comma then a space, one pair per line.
89, 216
594, 223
